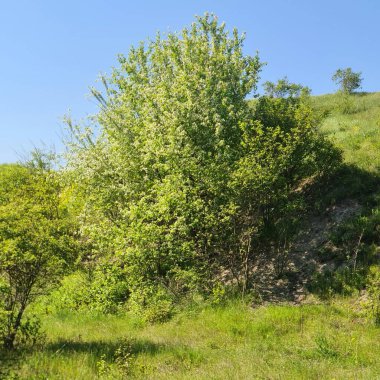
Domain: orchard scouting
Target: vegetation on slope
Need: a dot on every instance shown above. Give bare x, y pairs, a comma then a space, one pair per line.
352, 122
337, 339
185, 184
189, 197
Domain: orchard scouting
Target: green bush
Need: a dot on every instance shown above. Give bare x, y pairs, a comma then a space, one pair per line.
37, 239
372, 305
152, 303
31, 331
104, 290
184, 179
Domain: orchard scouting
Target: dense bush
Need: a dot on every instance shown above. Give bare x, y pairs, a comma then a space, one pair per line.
37, 240
183, 176
105, 291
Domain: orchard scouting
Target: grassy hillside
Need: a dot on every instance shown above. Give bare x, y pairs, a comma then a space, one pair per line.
314, 340
353, 123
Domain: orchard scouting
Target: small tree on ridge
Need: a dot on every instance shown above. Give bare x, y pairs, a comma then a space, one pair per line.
348, 80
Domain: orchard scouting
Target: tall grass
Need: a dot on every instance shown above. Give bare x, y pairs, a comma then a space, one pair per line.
229, 342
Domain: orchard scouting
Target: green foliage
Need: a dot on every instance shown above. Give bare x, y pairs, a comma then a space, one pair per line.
30, 331
356, 240
344, 281
104, 290
36, 241
281, 153
152, 303
123, 358
184, 177
347, 80
72, 294
218, 294
156, 178
325, 348
284, 88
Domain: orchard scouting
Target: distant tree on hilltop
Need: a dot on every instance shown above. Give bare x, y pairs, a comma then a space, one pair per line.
347, 80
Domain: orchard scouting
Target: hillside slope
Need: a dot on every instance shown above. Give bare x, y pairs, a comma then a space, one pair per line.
353, 123
339, 239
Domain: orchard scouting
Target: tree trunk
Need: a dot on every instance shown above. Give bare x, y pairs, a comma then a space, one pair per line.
9, 341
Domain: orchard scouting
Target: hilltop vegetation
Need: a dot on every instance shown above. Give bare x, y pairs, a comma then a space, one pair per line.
181, 212
353, 124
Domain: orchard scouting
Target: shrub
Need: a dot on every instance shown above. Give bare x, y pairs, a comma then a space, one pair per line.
152, 304
184, 177
37, 240
105, 290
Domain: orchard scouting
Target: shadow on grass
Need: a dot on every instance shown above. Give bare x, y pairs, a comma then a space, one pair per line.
348, 182
350, 249
119, 354
9, 362
106, 349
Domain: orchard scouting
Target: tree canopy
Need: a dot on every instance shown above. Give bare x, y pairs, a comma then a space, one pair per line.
348, 80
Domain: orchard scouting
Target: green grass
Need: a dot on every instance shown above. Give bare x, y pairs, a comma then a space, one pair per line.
231, 342
353, 124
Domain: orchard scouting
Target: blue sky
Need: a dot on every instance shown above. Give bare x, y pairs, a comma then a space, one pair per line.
52, 51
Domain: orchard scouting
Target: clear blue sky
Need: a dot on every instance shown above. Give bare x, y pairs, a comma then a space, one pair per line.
52, 51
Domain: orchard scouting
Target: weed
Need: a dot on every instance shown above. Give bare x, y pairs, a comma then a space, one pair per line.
324, 348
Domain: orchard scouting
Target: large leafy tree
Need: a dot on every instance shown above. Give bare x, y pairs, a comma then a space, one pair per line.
177, 174
36, 240
171, 126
